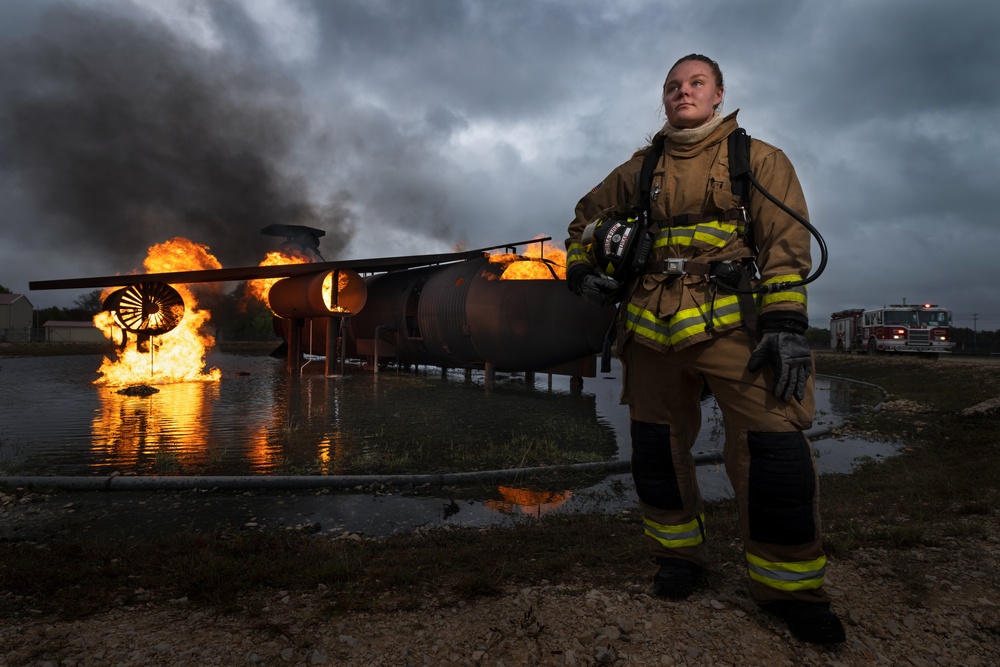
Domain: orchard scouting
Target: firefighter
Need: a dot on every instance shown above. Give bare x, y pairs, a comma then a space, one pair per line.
681, 331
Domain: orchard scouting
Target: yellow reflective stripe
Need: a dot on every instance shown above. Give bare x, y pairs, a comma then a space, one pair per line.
685, 535
712, 233
684, 323
575, 253
793, 294
796, 576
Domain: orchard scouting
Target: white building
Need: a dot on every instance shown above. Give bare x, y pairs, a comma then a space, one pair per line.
16, 314
58, 331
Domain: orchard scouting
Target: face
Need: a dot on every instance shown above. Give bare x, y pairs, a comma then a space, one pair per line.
690, 94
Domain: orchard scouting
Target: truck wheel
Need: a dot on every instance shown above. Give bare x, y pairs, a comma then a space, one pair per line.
872, 347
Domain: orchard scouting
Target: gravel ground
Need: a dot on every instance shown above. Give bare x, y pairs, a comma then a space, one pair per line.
934, 607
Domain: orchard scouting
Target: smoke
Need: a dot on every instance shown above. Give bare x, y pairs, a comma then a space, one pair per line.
124, 135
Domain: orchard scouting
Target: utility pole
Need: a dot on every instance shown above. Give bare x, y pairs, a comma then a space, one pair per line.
974, 332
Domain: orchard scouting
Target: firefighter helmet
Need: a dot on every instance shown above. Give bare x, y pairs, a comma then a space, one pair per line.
614, 241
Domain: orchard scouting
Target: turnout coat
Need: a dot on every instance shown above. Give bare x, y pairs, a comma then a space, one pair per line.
690, 193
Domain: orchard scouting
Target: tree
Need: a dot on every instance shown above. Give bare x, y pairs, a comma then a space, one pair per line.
89, 304
4, 290
240, 317
818, 338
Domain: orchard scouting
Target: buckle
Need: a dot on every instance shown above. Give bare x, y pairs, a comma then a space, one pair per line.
674, 266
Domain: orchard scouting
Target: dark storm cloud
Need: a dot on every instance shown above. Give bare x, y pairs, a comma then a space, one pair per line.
408, 79
488, 59
125, 135
459, 122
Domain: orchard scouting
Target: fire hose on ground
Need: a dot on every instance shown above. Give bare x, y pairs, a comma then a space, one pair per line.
119, 482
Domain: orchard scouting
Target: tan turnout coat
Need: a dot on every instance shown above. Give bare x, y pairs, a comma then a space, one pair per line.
667, 313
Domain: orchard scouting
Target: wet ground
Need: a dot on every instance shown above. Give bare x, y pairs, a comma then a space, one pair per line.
256, 422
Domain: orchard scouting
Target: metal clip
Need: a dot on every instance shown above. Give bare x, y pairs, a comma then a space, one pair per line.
675, 266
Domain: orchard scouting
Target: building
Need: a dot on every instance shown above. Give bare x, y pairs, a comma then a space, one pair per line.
60, 331
16, 315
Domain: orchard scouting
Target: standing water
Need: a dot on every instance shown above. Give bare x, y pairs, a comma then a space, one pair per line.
258, 420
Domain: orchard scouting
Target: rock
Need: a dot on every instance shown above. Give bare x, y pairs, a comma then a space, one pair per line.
138, 390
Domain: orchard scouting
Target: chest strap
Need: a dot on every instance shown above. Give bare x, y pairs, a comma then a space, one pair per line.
679, 267
685, 219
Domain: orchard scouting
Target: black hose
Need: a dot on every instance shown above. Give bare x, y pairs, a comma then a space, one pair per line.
780, 287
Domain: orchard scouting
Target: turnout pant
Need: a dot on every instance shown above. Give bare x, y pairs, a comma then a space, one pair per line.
768, 460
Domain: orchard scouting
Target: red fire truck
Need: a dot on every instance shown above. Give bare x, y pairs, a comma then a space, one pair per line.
922, 329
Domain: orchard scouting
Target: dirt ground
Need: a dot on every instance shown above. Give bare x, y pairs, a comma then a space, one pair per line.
954, 623
925, 606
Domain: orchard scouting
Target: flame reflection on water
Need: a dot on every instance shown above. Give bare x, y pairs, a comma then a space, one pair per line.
136, 430
255, 421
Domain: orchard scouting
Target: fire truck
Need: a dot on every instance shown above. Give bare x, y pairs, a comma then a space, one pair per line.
921, 329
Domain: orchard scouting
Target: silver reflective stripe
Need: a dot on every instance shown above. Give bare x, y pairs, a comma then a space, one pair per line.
684, 535
784, 575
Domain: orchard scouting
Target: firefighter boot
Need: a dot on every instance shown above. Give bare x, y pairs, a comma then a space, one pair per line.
677, 578
808, 621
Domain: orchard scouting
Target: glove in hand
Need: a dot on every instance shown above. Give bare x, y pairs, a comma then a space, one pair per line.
596, 288
790, 359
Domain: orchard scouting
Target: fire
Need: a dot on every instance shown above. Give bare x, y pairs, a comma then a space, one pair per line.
527, 501
259, 288
177, 355
329, 297
541, 261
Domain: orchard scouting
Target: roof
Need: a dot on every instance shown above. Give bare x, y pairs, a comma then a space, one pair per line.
69, 323
11, 298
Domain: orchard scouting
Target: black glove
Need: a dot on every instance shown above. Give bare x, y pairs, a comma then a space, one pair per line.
786, 351
596, 288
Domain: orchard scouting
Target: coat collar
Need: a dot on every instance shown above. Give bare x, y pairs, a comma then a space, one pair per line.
722, 129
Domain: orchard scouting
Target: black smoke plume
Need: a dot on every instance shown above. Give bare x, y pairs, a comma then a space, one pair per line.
124, 135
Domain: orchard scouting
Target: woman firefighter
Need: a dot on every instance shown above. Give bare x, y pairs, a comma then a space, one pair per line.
711, 274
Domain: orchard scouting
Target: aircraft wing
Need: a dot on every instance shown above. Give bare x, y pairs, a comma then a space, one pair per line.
376, 265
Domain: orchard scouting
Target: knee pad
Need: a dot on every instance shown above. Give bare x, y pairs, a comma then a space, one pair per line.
782, 488
653, 468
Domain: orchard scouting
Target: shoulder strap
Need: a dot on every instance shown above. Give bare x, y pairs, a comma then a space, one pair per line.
739, 176
646, 175
739, 164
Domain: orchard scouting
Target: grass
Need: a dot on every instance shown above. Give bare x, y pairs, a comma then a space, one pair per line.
939, 489
546, 444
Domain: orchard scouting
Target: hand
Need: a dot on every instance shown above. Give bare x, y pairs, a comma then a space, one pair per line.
790, 359
596, 288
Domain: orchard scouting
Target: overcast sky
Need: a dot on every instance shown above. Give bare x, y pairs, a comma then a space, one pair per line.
407, 126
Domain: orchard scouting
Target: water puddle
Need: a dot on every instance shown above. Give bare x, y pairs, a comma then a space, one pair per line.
256, 422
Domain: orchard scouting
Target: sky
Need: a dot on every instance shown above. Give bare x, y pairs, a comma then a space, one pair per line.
404, 127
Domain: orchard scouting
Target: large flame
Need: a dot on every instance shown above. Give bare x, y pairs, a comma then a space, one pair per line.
540, 261
258, 289
179, 354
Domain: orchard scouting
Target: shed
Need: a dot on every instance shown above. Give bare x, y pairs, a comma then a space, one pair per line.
16, 315
62, 331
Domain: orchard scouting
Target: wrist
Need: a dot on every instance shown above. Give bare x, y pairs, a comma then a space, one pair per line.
575, 274
783, 321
